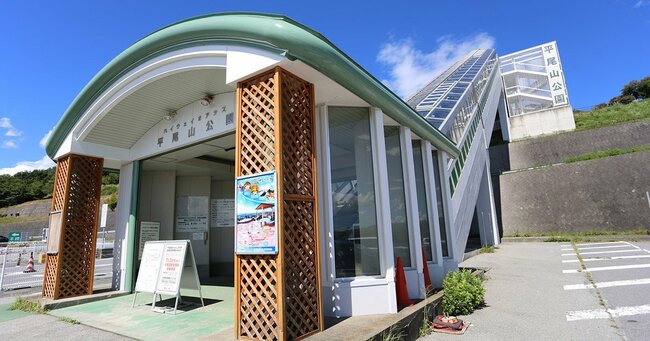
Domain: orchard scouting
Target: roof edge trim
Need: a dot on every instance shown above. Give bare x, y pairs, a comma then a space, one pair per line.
274, 33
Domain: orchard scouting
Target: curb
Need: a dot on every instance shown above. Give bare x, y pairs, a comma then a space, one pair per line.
72, 301
614, 237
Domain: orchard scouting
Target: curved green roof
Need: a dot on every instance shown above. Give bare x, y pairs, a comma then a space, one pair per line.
275, 33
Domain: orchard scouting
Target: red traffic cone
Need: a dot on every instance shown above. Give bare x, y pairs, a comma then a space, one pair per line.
30, 264
400, 285
427, 278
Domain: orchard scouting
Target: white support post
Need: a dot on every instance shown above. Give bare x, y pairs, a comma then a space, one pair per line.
446, 195
385, 233
120, 242
434, 221
325, 197
412, 214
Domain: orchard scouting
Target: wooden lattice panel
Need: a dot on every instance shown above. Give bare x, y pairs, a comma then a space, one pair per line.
259, 316
297, 136
257, 277
279, 295
58, 201
300, 238
73, 266
301, 277
257, 125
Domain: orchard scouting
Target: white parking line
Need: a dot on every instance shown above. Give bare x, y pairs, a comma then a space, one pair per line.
595, 252
598, 247
638, 248
608, 284
602, 243
605, 258
606, 268
591, 244
602, 313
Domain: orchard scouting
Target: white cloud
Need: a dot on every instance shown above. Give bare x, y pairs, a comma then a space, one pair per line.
641, 3
43, 140
23, 166
9, 144
411, 68
5, 123
13, 133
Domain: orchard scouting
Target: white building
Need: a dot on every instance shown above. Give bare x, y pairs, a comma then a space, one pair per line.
363, 177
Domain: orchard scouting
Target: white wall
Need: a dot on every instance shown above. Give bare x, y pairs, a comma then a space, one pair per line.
541, 123
198, 186
156, 202
222, 239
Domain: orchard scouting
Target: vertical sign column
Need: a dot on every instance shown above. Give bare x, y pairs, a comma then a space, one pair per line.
278, 296
555, 75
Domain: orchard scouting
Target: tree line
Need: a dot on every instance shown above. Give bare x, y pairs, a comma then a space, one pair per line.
35, 185
632, 91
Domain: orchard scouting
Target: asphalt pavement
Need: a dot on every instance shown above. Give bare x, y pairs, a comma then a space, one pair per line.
620, 275
535, 292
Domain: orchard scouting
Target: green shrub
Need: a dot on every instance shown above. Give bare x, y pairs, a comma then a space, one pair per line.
463, 292
112, 201
109, 189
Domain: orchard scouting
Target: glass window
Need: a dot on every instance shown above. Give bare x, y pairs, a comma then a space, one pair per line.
441, 209
421, 190
356, 246
397, 198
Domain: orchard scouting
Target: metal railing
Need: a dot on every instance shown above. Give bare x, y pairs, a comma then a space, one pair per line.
15, 258
15, 272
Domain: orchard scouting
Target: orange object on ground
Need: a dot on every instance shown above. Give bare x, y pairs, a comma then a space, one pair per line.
30, 264
400, 285
427, 278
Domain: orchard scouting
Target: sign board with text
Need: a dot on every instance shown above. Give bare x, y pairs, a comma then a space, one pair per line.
167, 266
149, 230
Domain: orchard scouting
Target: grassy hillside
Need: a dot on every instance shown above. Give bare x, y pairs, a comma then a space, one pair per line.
612, 115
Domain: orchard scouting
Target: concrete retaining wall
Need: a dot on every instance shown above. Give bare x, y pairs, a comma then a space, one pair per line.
604, 194
556, 148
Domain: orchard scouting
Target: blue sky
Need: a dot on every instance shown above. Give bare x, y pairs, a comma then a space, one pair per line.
51, 49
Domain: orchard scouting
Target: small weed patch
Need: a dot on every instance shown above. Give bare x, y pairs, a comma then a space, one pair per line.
393, 334
557, 239
606, 153
68, 320
588, 233
463, 292
488, 249
27, 306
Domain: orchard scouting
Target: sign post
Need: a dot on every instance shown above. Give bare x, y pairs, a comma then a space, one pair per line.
165, 268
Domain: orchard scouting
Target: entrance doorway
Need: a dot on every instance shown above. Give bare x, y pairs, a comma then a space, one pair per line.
190, 193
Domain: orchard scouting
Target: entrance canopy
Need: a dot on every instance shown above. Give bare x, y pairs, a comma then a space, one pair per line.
173, 68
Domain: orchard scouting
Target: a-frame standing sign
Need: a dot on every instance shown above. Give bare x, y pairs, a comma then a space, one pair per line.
165, 268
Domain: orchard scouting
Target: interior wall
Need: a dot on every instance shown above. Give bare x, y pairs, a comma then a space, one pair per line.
196, 186
156, 202
222, 239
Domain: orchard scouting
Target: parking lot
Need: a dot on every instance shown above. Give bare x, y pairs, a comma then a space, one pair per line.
539, 291
617, 274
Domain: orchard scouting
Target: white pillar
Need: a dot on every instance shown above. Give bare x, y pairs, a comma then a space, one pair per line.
120, 244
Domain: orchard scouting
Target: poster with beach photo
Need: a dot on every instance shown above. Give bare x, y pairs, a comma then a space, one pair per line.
256, 231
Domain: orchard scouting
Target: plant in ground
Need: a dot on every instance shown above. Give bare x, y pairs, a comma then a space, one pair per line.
68, 320
27, 306
488, 249
463, 292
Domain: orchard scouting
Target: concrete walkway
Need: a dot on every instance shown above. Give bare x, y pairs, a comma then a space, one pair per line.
23, 326
525, 299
